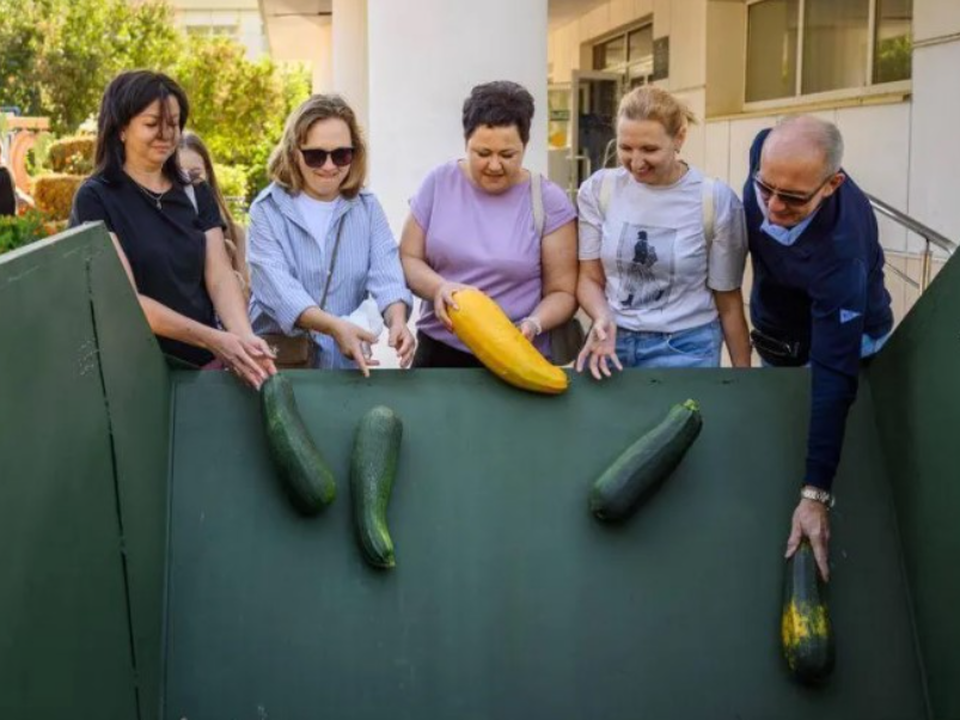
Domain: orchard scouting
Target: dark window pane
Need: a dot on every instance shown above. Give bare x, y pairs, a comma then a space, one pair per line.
835, 37
893, 51
772, 49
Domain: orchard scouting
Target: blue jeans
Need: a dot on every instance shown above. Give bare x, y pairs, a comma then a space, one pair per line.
696, 347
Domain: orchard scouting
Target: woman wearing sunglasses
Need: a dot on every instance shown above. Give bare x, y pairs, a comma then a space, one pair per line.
167, 232
662, 250
474, 222
319, 244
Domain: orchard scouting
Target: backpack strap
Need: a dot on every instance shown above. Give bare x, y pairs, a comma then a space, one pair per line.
708, 204
606, 192
536, 197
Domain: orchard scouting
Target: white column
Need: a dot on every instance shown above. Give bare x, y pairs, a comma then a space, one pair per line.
350, 75
323, 58
425, 56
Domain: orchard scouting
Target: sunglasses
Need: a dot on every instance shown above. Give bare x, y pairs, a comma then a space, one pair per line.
793, 200
317, 158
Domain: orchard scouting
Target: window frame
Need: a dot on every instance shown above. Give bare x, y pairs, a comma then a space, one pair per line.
871, 89
625, 67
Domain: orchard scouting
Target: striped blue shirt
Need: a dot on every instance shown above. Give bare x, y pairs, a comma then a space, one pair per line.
289, 268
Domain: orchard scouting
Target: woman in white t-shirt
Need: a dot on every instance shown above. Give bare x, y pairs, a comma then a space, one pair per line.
660, 291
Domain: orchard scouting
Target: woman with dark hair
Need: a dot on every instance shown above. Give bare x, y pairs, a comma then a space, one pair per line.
195, 160
168, 233
321, 250
486, 222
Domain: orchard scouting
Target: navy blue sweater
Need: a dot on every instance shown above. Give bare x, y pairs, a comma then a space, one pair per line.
823, 293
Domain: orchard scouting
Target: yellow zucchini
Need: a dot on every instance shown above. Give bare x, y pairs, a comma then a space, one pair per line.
484, 328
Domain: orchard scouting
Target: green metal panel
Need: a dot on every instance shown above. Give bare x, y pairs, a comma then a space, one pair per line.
509, 599
65, 644
916, 385
138, 393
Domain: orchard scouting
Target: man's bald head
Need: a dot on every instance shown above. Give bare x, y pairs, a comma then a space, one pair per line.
805, 138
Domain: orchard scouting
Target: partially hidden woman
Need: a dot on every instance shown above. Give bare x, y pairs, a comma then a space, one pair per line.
195, 159
167, 232
472, 224
319, 243
662, 250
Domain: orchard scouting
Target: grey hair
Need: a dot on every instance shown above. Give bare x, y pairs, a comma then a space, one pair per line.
822, 133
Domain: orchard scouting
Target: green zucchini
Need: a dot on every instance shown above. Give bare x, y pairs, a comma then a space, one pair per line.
644, 466
372, 471
805, 630
305, 474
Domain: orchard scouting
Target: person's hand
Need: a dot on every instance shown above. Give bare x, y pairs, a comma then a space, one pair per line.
401, 339
811, 520
444, 299
242, 356
260, 350
350, 339
600, 349
528, 328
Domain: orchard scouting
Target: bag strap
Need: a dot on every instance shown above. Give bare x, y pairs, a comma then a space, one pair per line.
606, 192
708, 204
536, 197
333, 261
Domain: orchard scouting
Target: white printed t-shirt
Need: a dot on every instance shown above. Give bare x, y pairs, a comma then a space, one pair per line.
654, 253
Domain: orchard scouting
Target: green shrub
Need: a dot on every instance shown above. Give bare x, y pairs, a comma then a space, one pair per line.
73, 155
22, 230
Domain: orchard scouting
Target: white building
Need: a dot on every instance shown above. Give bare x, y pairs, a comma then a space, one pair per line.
882, 70
240, 20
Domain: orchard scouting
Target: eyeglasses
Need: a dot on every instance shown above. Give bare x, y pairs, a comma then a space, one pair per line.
317, 158
789, 199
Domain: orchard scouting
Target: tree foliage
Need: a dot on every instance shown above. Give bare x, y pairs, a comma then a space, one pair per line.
57, 56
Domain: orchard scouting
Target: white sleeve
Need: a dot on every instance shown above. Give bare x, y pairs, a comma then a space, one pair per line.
590, 223
728, 253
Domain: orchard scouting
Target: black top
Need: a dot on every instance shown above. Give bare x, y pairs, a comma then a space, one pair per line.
166, 247
823, 294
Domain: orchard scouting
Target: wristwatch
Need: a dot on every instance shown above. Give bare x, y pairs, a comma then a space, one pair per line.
809, 492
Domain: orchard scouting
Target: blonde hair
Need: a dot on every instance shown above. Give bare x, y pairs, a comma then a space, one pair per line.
652, 103
284, 167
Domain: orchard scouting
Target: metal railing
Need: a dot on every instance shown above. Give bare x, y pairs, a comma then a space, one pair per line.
930, 236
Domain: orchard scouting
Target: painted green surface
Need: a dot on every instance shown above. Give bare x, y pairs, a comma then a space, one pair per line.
138, 391
509, 600
65, 645
916, 385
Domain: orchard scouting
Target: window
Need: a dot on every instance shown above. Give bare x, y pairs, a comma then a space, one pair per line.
629, 52
804, 47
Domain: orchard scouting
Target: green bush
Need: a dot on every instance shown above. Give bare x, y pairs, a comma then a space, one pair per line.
233, 184
22, 230
73, 155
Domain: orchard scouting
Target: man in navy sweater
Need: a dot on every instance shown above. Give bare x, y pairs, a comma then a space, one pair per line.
818, 296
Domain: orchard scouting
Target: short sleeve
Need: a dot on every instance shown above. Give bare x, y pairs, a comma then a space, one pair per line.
728, 253
591, 217
88, 207
557, 208
207, 208
421, 204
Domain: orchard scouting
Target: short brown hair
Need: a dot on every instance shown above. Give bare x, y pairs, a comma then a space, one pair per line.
284, 168
648, 102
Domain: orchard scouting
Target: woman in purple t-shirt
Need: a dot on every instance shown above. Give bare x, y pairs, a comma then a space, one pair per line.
472, 224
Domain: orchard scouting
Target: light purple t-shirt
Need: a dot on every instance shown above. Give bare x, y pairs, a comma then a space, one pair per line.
488, 241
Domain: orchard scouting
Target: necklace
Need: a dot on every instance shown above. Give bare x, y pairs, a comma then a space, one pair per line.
155, 197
